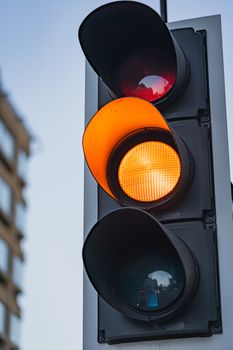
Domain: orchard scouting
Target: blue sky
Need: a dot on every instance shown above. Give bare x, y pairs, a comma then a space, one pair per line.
42, 69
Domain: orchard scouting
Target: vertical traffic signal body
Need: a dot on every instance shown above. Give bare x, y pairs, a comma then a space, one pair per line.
152, 254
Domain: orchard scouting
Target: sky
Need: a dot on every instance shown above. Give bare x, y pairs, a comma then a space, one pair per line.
42, 70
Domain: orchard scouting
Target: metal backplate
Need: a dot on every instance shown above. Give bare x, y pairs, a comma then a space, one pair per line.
223, 211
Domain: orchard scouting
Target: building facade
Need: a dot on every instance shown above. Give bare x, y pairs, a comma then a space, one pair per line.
14, 153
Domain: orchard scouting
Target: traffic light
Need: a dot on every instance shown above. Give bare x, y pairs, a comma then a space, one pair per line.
138, 160
152, 256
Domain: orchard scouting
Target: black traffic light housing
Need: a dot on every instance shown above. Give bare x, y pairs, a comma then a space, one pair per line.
136, 40
190, 221
135, 238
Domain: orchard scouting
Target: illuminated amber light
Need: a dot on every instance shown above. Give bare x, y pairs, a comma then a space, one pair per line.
109, 125
149, 171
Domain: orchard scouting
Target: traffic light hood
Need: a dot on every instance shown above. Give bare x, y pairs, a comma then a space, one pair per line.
116, 131
130, 47
138, 266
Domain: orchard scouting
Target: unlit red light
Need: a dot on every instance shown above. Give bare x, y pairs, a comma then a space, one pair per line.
147, 75
149, 171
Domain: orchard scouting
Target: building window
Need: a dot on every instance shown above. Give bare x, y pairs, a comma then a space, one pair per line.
20, 217
2, 318
22, 165
17, 273
4, 256
5, 197
7, 144
15, 329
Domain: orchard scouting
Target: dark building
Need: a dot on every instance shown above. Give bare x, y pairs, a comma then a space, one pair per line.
14, 153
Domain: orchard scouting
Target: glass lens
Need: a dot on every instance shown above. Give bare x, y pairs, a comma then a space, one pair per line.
148, 75
152, 280
149, 171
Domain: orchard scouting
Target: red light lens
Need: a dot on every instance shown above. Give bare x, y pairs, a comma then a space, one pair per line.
147, 75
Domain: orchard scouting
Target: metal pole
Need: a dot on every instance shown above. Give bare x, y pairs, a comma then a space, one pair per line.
163, 10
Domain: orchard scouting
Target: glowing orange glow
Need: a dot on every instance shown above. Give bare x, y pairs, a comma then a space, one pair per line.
149, 171
109, 125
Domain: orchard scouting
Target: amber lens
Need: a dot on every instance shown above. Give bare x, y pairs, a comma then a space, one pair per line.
149, 171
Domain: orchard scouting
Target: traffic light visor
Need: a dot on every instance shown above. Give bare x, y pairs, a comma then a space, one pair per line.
138, 266
135, 156
109, 126
130, 47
